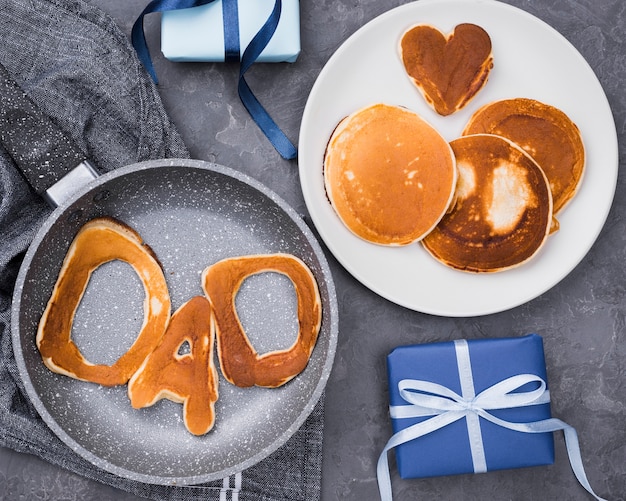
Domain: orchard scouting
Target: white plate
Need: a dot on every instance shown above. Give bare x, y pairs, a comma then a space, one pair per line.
531, 60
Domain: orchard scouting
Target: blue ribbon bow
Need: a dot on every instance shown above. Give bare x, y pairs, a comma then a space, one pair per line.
232, 52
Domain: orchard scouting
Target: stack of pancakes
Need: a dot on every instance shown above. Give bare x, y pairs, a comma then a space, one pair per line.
484, 202
503, 207
545, 133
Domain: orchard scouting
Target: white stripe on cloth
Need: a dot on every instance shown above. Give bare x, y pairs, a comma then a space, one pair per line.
227, 489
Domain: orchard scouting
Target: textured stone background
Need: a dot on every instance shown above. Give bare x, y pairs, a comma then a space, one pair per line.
582, 319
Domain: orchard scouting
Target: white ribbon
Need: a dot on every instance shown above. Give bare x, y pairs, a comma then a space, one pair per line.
446, 406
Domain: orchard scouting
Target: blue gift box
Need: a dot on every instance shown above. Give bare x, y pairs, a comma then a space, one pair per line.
197, 34
438, 374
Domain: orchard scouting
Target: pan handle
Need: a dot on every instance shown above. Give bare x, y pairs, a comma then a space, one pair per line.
52, 164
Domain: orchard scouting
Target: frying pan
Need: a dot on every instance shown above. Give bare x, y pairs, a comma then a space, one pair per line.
192, 214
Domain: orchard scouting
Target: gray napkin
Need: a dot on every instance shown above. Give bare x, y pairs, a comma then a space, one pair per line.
75, 63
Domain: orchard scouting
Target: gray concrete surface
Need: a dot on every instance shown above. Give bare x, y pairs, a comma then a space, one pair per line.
582, 319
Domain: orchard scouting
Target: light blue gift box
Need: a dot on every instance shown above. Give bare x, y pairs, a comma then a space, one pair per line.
197, 34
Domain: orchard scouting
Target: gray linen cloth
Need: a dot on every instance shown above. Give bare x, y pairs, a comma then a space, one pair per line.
75, 63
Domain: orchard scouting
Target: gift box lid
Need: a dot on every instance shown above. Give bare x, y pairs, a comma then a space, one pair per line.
197, 34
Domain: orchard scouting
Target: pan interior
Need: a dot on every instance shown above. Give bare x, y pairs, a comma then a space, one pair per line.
191, 216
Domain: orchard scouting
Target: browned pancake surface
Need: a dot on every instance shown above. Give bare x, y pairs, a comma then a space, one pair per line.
388, 174
99, 241
448, 70
544, 132
190, 377
503, 208
241, 364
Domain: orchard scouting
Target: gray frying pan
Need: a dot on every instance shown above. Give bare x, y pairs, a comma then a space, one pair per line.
192, 214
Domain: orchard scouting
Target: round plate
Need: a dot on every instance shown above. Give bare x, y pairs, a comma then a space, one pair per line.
531, 60
192, 214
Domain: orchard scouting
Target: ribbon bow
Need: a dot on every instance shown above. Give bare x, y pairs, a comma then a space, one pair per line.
232, 52
446, 406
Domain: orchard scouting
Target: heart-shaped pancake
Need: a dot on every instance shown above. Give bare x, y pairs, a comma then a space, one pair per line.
448, 70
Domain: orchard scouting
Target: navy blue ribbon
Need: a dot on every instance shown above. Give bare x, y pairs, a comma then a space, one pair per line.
231, 53
230, 15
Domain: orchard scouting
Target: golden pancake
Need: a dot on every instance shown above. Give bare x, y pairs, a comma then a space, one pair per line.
388, 174
241, 364
502, 211
448, 70
99, 241
544, 132
189, 377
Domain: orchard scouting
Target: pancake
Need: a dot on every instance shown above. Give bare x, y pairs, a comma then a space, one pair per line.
502, 212
240, 363
448, 70
544, 132
99, 241
389, 175
186, 376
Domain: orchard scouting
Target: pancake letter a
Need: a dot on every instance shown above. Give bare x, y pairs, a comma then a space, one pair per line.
188, 377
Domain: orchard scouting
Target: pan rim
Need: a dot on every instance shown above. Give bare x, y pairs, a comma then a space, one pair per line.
122, 471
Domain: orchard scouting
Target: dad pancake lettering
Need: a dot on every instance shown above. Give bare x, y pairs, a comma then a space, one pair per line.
153, 364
